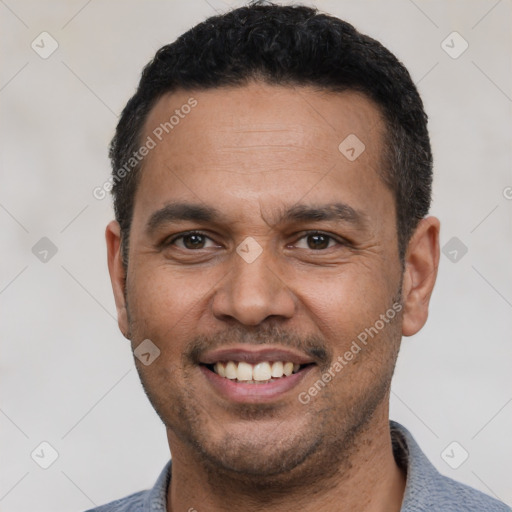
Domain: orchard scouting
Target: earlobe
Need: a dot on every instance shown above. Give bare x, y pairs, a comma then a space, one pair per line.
421, 263
117, 273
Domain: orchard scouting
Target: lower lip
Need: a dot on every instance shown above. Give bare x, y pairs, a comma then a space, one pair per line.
255, 393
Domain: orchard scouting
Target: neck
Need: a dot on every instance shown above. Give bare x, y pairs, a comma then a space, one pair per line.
362, 478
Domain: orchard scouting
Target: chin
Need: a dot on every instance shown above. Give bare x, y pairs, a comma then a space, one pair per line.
257, 447
262, 457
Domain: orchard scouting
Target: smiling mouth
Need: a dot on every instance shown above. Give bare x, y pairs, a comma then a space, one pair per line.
259, 373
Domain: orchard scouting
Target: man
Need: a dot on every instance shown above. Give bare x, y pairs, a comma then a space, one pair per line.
271, 180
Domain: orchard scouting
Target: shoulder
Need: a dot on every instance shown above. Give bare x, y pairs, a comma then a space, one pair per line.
452, 496
427, 489
132, 503
143, 501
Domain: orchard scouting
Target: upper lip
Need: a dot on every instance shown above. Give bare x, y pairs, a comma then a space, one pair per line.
254, 355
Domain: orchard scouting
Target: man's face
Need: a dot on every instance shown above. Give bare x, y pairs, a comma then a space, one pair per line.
256, 160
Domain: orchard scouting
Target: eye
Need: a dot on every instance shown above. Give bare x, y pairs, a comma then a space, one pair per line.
317, 241
191, 241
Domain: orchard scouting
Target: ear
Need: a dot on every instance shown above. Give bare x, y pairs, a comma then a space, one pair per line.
421, 262
117, 273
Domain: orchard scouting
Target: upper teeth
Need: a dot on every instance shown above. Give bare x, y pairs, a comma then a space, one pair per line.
263, 371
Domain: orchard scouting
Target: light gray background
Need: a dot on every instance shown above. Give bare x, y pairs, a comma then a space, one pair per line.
67, 374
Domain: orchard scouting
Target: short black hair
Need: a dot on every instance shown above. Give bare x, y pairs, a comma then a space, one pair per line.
285, 45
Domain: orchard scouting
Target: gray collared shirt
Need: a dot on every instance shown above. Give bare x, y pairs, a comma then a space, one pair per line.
426, 489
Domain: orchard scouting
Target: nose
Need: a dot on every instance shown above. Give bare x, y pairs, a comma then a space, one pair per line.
253, 292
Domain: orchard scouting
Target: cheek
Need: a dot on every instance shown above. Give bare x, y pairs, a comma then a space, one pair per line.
161, 302
167, 303
348, 296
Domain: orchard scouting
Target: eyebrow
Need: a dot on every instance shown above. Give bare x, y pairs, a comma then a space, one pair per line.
330, 212
183, 211
180, 211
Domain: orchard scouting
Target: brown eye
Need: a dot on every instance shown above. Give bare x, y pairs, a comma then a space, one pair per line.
193, 241
318, 241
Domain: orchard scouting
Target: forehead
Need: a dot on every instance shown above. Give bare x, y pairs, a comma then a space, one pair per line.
271, 115
260, 141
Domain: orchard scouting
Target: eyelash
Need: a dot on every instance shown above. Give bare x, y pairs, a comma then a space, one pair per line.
171, 241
